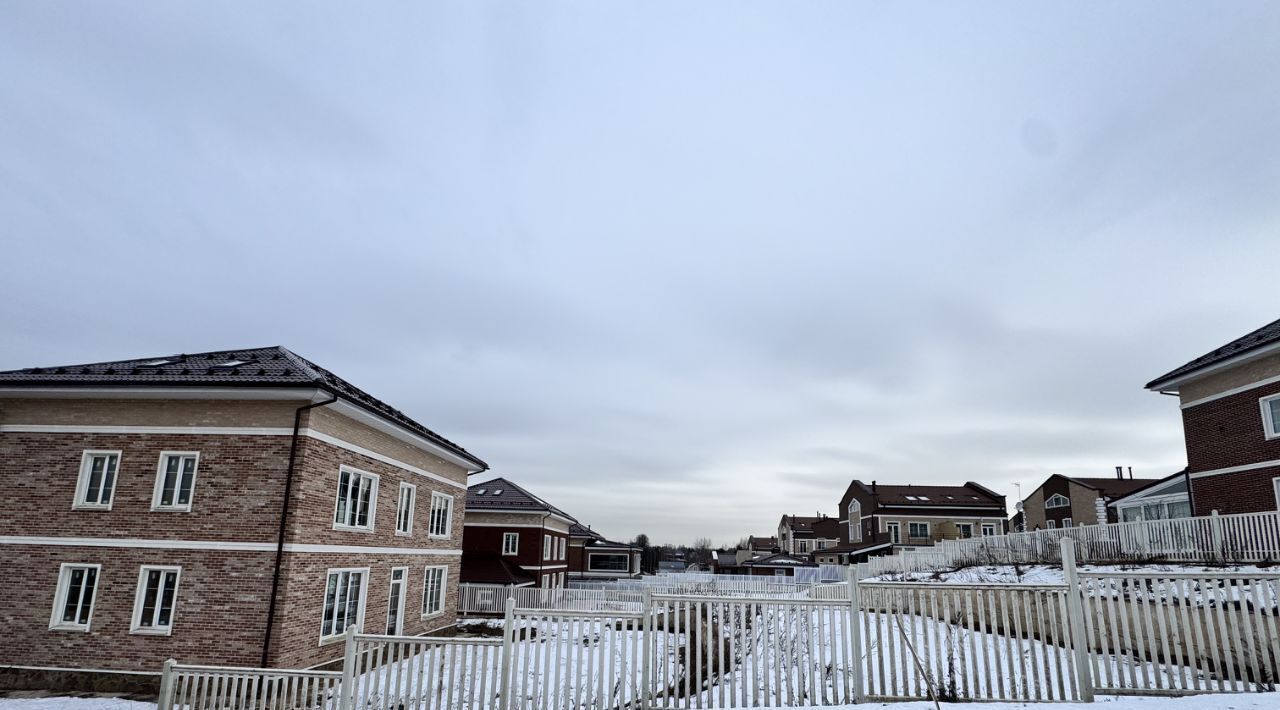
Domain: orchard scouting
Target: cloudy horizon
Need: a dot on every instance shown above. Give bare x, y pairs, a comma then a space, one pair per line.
678, 268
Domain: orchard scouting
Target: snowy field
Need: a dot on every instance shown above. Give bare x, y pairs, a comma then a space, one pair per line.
1050, 574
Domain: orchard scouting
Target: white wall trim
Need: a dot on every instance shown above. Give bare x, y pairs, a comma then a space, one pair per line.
1236, 469
1233, 390
219, 545
62, 669
468, 524
1221, 365
357, 449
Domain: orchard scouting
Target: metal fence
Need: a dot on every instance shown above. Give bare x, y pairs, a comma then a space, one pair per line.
1116, 633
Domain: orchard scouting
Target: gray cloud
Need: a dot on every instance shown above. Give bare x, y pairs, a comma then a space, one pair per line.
680, 269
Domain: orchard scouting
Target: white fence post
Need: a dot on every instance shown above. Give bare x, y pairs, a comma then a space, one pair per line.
647, 646
166, 686
508, 650
347, 692
1215, 530
855, 636
1075, 618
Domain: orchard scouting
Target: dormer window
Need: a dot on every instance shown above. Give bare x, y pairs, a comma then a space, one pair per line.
1057, 500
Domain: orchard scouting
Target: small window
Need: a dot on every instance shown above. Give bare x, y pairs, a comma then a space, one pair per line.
154, 603
404, 509
510, 543
175, 481
988, 530
357, 500
547, 542
564, 548
343, 601
73, 599
1270, 416
1050, 524
965, 530
917, 531
1057, 500
1066, 522
97, 480
441, 515
433, 591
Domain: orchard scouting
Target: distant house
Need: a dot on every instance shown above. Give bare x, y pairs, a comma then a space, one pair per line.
1063, 502
672, 566
798, 536
1230, 401
776, 565
506, 526
593, 557
230, 508
763, 545
1162, 499
875, 519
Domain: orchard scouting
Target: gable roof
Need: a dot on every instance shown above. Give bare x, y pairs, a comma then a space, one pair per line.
269, 367
1268, 334
1150, 487
968, 495
780, 559
801, 523
501, 494
1109, 488
762, 541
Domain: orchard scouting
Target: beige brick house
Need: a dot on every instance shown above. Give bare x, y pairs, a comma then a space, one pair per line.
227, 508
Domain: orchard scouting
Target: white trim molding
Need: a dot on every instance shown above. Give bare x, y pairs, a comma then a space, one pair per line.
1274, 463
219, 545
1232, 391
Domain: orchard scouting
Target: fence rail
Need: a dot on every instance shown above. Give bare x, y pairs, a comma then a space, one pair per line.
208, 687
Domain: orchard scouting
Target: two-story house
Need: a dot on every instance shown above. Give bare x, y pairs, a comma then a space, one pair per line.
593, 557
1230, 401
1063, 502
228, 508
797, 534
874, 519
507, 525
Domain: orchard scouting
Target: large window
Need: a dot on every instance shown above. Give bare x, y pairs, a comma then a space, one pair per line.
74, 596
988, 529
802, 547
357, 500
547, 542
404, 509
433, 591
1271, 416
855, 521
895, 532
154, 603
510, 543
918, 531
343, 601
1057, 500
965, 529
608, 562
175, 481
1158, 510
441, 515
97, 479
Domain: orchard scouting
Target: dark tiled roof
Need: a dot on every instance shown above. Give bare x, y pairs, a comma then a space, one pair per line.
780, 559
254, 367
1266, 335
801, 523
828, 528
488, 568
502, 494
940, 496
594, 538
761, 541
1116, 487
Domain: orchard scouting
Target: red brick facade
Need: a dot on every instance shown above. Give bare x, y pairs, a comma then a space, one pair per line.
1226, 433
549, 572
225, 545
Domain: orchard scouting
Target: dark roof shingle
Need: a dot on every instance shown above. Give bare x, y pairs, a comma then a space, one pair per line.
502, 494
1266, 335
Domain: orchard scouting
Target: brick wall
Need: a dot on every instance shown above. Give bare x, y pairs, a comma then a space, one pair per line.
1229, 432
1243, 492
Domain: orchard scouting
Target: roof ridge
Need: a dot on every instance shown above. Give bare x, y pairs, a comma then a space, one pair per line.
307, 366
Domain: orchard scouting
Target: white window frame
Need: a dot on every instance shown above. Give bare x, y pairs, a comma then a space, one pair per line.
60, 596
894, 528
139, 596
855, 520
1270, 427
1275, 483
175, 507
1050, 524
1048, 502
447, 516
591, 567
992, 527
360, 609
928, 530
547, 542
404, 592
82, 481
404, 523
426, 586
1067, 522
802, 547
373, 500
512, 549
564, 548
960, 527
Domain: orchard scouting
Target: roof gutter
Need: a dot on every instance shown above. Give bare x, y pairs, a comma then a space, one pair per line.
284, 518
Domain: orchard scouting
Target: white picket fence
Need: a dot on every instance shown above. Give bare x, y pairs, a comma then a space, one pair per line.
1114, 633
490, 599
1243, 537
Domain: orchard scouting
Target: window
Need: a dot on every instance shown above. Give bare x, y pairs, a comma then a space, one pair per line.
175, 481
965, 529
97, 479
1066, 522
157, 595
895, 532
433, 591
343, 601
546, 546
441, 515
802, 546
404, 509
357, 500
73, 599
988, 529
1131, 514
916, 531
1159, 510
1050, 524
564, 548
1270, 416
855, 521
1057, 500
510, 543
608, 562
395, 601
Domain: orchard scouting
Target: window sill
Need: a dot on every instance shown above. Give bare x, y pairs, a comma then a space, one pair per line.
69, 627
433, 614
170, 509
348, 528
404, 534
439, 537
150, 632
90, 506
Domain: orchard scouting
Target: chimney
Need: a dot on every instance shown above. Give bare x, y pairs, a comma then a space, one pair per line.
1131, 473
873, 486
1119, 471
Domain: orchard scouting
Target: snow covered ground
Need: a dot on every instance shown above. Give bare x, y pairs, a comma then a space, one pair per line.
1252, 701
1049, 574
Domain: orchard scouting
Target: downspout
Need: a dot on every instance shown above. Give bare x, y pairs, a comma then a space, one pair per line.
284, 517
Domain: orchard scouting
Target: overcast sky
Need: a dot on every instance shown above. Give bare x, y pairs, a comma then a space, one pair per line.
678, 267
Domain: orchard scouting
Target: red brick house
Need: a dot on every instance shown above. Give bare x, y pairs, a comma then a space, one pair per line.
1230, 401
508, 526
800, 535
875, 519
594, 557
227, 508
